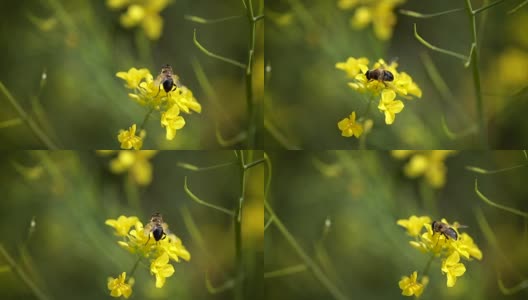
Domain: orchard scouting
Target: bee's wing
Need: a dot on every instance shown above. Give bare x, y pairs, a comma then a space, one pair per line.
158, 79
147, 228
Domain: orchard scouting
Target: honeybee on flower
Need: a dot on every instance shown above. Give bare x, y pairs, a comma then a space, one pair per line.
380, 80
160, 251
164, 94
441, 239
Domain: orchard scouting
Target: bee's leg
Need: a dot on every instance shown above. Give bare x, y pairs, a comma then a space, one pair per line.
148, 239
164, 236
159, 90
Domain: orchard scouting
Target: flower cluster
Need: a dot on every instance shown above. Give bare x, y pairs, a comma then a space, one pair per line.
136, 163
378, 12
430, 164
137, 240
402, 86
144, 13
449, 250
149, 92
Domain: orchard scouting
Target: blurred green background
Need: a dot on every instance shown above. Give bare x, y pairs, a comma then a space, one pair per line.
306, 95
363, 252
71, 252
81, 45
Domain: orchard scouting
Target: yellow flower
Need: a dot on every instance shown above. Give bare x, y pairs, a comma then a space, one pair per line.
390, 106
116, 4
145, 14
347, 4
410, 286
172, 121
414, 224
362, 17
137, 163
349, 127
453, 268
118, 287
353, 66
466, 247
161, 268
174, 248
430, 164
183, 97
379, 13
134, 76
122, 225
128, 138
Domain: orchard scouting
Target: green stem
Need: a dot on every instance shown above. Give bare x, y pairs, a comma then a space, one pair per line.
211, 54
425, 16
285, 271
483, 130
147, 116
310, 264
25, 278
237, 219
428, 265
249, 77
201, 20
24, 116
134, 267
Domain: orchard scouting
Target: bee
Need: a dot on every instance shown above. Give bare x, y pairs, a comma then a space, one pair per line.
167, 79
379, 74
156, 227
445, 230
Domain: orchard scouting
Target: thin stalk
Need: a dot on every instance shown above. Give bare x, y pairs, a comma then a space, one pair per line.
483, 130
147, 116
310, 264
25, 278
285, 271
426, 16
201, 20
428, 265
249, 77
237, 219
134, 267
24, 116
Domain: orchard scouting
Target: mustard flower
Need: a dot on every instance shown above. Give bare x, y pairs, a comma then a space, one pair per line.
144, 13
349, 127
118, 287
172, 121
149, 92
414, 224
390, 106
161, 268
129, 139
137, 163
160, 253
174, 248
430, 164
450, 250
378, 13
122, 225
453, 268
353, 66
134, 76
402, 84
410, 286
